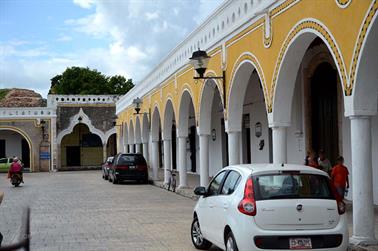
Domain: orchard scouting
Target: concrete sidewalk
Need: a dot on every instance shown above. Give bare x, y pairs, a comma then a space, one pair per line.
194, 181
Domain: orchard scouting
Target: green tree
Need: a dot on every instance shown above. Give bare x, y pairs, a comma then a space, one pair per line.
83, 81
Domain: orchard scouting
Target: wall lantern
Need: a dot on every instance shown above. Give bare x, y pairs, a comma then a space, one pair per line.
80, 119
199, 60
258, 129
213, 134
137, 102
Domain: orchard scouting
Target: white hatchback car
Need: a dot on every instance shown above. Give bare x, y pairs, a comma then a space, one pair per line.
269, 207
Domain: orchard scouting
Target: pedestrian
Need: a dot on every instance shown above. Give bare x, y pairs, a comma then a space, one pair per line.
324, 163
312, 160
339, 177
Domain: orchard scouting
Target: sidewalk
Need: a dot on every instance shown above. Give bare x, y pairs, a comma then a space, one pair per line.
194, 181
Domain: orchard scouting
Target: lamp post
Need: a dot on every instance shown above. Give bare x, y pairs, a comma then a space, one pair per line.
200, 60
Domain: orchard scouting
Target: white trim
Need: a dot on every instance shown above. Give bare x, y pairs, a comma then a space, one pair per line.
74, 120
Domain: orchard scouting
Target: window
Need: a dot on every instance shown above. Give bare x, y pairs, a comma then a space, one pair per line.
287, 186
215, 184
231, 183
2, 161
129, 159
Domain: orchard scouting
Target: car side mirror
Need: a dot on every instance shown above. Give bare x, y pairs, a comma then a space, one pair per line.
201, 191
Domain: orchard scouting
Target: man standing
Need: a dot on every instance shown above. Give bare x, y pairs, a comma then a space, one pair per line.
339, 177
1, 199
324, 163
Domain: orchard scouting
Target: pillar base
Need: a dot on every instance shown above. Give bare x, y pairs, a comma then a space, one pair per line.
358, 241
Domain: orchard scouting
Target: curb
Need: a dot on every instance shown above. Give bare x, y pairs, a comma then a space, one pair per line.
187, 192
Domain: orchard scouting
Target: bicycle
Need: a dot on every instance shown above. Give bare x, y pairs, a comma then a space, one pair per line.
172, 181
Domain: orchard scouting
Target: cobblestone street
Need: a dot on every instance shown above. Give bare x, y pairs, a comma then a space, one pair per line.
80, 211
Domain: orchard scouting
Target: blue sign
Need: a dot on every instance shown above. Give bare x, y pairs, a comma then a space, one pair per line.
44, 155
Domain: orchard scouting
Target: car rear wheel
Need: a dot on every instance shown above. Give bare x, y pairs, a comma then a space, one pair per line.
231, 243
197, 238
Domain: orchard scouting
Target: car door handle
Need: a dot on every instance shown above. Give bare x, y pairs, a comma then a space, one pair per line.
225, 205
211, 205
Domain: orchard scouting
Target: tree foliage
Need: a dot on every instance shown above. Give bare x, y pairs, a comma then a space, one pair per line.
84, 81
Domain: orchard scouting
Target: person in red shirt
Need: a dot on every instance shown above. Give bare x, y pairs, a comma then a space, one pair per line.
312, 160
15, 167
339, 176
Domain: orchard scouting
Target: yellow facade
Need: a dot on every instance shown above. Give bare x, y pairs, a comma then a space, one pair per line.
330, 20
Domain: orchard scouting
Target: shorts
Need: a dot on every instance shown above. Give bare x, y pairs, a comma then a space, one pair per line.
340, 191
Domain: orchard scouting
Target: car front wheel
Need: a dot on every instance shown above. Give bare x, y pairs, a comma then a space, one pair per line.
231, 243
197, 238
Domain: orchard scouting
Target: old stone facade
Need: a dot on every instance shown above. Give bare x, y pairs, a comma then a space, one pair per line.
81, 127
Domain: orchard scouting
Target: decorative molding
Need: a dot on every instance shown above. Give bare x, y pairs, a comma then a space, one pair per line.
319, 29
359, 44
267, 30
249, 57
74, 120
27, 112
343, 3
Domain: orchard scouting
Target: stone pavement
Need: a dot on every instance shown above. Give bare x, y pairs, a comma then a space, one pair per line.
80, 211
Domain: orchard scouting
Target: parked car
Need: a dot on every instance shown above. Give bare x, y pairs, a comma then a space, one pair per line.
5, 164
106, 166
129, 166
268, 206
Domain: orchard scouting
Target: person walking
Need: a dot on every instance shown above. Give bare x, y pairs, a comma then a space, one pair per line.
324, 163
339, 177
312, 160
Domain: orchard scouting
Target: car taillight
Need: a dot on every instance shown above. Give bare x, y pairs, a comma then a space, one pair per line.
248, 204
339, 200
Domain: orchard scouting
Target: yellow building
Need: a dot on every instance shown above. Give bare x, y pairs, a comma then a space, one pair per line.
299, 76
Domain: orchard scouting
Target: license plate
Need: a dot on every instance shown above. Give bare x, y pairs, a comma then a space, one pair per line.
300, 243
132, 167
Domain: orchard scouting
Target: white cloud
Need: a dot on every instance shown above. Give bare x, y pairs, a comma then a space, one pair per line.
135, 36
86, 4
64, 38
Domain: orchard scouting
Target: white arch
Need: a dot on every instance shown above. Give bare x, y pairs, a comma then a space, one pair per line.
131, 132
186, 101
287, 73
138, 133
155, 124
27, 138
109, 133
169, 116
364, 99
74, 120
145, 128
210, 88
239, 85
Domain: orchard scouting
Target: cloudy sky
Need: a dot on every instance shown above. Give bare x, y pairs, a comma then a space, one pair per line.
41, 38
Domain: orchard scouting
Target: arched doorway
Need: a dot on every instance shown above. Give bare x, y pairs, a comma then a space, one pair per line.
211, 123
187, 138
111, 145
13, 143
323, 122
247, 117
81, 148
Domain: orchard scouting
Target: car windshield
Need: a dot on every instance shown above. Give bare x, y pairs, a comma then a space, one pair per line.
131, 160
291, 185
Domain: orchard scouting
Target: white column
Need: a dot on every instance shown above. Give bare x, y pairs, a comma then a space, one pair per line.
279, 144
204, 159
182, 161
155, 160
363, 205
104, 152
234, 148
167, 159
145, 151
53, 144
137, 148
131, 148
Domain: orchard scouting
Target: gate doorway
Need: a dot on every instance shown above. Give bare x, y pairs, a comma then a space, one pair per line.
324, 111
74, 155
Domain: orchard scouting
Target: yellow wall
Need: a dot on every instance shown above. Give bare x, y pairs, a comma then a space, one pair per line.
323, 17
